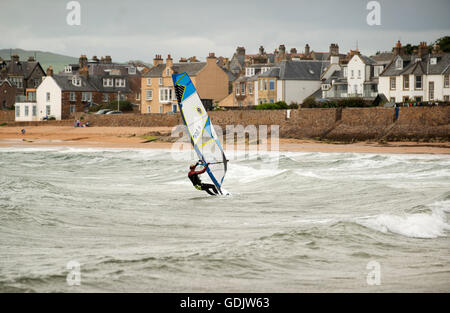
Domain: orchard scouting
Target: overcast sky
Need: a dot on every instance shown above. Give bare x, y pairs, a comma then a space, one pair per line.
139, 29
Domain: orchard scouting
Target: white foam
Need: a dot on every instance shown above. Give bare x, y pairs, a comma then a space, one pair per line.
418, 225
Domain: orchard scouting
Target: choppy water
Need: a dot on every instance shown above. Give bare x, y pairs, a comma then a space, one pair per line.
133, 222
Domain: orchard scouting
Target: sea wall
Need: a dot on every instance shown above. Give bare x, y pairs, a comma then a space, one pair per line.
348, 124
7, 116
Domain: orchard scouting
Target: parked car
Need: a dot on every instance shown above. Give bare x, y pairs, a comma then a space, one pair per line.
103, 111
113, 112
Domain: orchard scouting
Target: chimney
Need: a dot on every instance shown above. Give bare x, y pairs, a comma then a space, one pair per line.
282, 49
436, 49
95, 59
398, 48
31, 59
15, 58
82, 61
334, 49
423, 49
211, 59
84, 71
108, 59
157, 60
169, 61
240, 51
307, 50
261, 50
293, 51
183, 60
50, 71
193, 59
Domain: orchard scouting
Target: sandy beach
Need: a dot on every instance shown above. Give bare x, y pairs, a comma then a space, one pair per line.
157, 138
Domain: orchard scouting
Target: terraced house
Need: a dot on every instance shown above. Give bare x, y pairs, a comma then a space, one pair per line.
23, 76
420, 77
158, 94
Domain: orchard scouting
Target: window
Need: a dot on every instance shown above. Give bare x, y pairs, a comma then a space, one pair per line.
237, 90
18, 81
242, 89
250, 88
120, 82
86, 96
174, 107
353, 73
17, 110
131, 70
68, 69
48, 110
26, 110
72, 97
48, 96
446, 98
418, 82
393, 83
392, 100
446, 83
160, 81
345, 71
149, 81
72, 109
405, 99
76, 81
105, 97
108, 82
431, 91
271, 100
149, 109
167, 71
272, 84
31, 96
399, 64
265, 84
148, 94
34, 110
165, 94
418, 99
359, 73
138, 96
406, 82
261, 85
161, 110
433, 61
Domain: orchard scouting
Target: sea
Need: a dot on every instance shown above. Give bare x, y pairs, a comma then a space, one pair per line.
128, 220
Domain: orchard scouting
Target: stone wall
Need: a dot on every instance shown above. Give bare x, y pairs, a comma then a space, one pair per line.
414, 123
7, 116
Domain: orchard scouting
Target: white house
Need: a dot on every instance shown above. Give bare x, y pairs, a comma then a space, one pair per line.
357, 78
421, 77
290, 81
48, 103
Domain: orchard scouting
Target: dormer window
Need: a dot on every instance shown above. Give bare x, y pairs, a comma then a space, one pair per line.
399, 64
120, 82
76, 81
131, 70
433, 61
68, 69
108, 82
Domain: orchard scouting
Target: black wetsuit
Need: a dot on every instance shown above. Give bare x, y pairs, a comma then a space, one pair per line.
193, 176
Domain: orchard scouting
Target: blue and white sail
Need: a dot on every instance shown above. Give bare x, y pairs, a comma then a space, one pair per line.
202, 134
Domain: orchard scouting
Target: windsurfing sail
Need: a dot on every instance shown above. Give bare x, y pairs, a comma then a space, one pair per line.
201, 131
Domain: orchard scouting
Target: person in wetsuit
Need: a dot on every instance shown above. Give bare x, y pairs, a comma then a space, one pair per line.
193, 176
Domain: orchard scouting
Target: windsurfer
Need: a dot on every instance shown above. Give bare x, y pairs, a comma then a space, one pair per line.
195, 179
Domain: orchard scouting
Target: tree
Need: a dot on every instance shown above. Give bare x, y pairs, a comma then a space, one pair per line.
444, 43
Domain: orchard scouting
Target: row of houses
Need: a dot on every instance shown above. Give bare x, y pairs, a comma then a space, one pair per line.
245, 80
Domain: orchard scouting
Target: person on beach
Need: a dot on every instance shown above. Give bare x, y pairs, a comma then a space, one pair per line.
23, 131
195, 179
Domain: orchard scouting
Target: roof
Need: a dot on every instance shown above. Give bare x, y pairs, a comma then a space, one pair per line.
90, 84
420, 67
297, 70
191, 69
21, 68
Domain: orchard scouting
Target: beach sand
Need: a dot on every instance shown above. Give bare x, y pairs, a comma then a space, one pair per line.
135, 137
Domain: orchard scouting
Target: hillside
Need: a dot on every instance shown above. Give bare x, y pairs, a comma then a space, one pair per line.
57, 61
